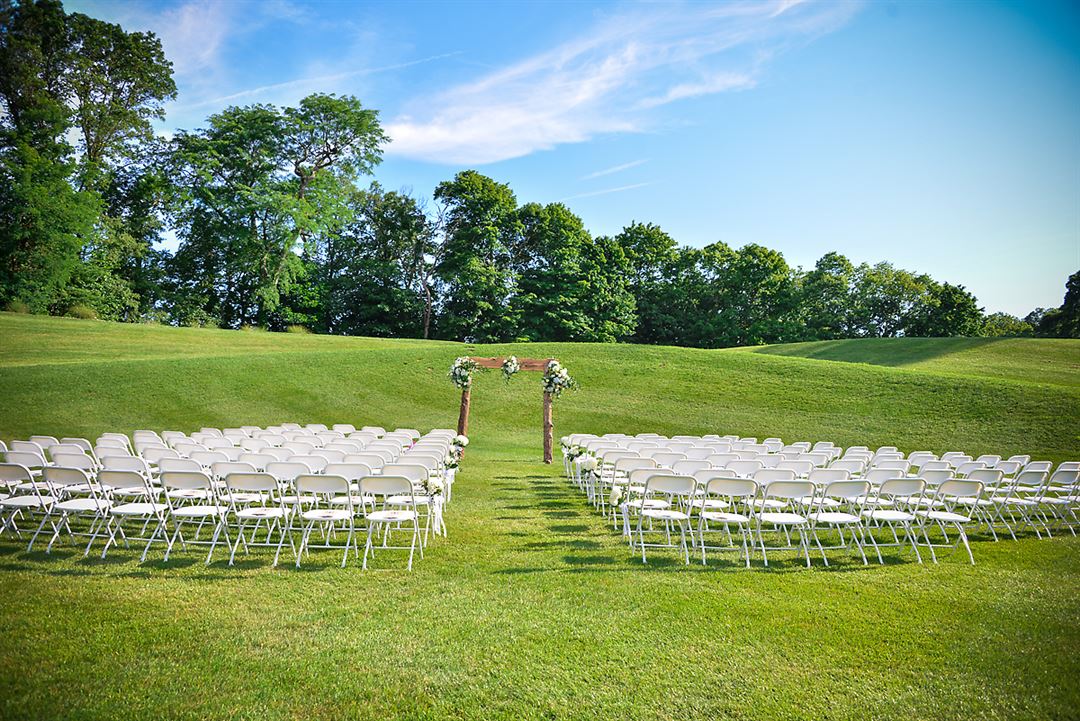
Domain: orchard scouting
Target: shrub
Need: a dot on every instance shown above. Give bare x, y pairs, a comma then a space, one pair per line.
252, 328
84, 312
297, 329
17, 306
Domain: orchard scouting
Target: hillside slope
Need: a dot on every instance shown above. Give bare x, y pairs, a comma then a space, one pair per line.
70, 377
1035, 360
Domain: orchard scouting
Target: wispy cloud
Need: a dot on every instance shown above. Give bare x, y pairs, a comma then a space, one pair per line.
606, 191
312, 84
607, 80
614, 169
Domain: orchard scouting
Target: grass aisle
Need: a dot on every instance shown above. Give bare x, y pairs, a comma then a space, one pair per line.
534, 608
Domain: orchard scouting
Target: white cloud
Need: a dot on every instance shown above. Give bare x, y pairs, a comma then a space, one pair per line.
606, 191
614, 169
606, 80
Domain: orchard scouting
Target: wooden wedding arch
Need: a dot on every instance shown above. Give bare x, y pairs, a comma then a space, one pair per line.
524, 364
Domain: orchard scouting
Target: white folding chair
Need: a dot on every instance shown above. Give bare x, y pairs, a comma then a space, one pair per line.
782, 507
399, 507
724, 504
678, 491
944, 510
250, 515
191, 498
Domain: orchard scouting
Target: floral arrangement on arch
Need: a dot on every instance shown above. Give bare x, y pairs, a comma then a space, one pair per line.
510, 366
557, 379
461, 372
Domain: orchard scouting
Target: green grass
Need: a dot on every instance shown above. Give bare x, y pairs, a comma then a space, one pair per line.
533, 608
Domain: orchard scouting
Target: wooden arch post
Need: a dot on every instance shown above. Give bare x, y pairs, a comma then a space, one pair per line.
524, 364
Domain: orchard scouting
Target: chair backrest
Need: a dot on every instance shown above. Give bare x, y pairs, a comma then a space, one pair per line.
323, 485
167, 465
1039, 466
221, 469
60, 476
1008, 468
709, 474
641, 476
625, 465
818, 459
315, 463
671, 484
987, 476
851, 465
828, 475
345, 446
186, 480
108, 441
208, 458
965, 469
257, 460
935, 465
880, 475
415, 472
936, 477
847, 490
287, 470
745, 468
386, 485
110, 451
84, 443
1021, 459
331, 456
903, 487
789, 489
689, 467
988, 459
68, 448
698, 454
344, 428
298, 447
110, 478
78, 460
317, 427
799, 468
1030, 479
25, 458
430, 461
769, 475
957, 488
254, 445
251, 481
901, 464
155, 455
126, 463
374, 461
718, 460
14, 473
348, 471
731, 487
1064, 477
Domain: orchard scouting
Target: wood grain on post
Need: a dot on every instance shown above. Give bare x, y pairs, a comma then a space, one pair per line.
549, 430
463, 417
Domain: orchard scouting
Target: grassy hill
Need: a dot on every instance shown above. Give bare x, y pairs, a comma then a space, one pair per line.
533, 608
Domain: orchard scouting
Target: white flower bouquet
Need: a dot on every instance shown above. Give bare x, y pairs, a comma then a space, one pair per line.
451, 460
557, 379
433, 486
461, 372
510, 366
460, 441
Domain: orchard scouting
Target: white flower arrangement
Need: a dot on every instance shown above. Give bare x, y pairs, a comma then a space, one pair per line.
461, 372
433, 486
589, 464
557, 379
574, 452
451, 460
460, 441
510, 366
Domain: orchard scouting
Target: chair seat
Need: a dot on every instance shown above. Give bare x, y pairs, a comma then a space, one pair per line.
947, 516
326, 514
28, 501
301, 500
973, 501
725, 517
134, 491
391, 516
768, 503
189, 494
139, 509
82, 505
709, 503
782, 519
835, 518
404, 500
198, 511
890, 516
356, 500
262, 512
1056, 501
665, 514
650, 503
243, 497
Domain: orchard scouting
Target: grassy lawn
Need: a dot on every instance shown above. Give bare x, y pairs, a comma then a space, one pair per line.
533, 607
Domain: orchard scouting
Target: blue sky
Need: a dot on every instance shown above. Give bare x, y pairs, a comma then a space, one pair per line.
943, 137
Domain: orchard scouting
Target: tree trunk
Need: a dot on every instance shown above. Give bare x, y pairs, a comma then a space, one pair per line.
549, 429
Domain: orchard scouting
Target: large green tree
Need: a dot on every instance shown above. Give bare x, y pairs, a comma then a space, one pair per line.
1064, 322
255, 189
480, 227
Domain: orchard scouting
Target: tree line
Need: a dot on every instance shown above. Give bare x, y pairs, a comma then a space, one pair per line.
280, 227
